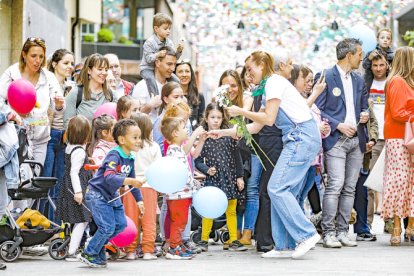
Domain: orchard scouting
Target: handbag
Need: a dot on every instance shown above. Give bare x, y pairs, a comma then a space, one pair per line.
409, 136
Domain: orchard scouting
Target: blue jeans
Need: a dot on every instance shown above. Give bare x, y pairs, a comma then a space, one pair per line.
361, 205
309, 181
302, 143
252, 196
110, 220
54, 166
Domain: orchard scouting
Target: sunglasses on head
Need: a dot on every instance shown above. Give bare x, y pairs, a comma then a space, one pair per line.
182, 61
35, 40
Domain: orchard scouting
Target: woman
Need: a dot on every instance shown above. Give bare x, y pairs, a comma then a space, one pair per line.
48, 92
93, 88
251, 208
283, 106
195, 100
62, 65
398, 201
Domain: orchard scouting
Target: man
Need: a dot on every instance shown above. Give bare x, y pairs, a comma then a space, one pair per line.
270, 141
343, 103
123, 87
164, 68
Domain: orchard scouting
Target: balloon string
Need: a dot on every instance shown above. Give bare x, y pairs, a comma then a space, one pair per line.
112, 200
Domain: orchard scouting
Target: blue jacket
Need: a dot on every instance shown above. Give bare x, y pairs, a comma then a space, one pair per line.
333, 107
112, 173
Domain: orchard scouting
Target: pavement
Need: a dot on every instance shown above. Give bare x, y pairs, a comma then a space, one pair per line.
369, 258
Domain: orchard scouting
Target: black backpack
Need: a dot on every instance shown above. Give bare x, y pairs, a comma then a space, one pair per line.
80, 93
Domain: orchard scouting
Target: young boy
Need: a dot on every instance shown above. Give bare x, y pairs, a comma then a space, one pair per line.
162, 28
384, 40
175, 132
103, 200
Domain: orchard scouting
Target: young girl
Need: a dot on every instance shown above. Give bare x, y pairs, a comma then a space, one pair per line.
147, 154
70, 206
126, 106
102, 139
175, 131
221, 162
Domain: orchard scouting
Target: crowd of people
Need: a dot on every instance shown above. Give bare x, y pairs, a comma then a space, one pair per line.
334, 123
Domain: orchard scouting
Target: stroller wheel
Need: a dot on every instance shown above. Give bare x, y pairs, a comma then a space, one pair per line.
195, 237
56, 252
9, 256
215, 235
113, 252
224, 236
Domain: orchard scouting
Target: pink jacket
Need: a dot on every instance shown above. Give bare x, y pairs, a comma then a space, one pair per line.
100, 151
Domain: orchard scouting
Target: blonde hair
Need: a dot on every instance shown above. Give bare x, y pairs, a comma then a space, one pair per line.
403, 66
176, 108
384, 30
266, 59
169, 125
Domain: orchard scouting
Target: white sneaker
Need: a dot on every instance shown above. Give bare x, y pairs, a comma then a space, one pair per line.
277, 254
149, 257
131, 256
345, 240
305, 246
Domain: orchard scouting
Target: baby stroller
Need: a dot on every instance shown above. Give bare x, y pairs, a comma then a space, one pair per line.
13, 237
218, 231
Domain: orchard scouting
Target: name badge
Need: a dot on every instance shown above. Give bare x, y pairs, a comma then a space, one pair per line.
336, 92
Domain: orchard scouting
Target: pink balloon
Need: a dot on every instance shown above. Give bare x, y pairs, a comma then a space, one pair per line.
21, 96
106, 108
127, 236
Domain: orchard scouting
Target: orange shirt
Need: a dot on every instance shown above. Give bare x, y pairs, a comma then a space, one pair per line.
399, 106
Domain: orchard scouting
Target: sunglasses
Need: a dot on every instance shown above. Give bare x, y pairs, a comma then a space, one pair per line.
182, 61
36, 40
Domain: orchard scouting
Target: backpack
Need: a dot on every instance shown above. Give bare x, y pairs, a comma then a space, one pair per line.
80, 93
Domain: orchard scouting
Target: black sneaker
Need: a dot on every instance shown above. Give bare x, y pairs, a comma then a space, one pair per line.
158, 240
366, 237
237, 246
91, 261
203, 245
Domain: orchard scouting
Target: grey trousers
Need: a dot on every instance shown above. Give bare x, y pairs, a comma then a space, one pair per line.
343, 164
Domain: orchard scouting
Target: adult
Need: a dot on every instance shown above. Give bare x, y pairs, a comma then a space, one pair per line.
283, 106
344, 103
94, 90
185, 73
398, 201
48, 92
164, 67
123, 87
283, 63
61, 64
239, 98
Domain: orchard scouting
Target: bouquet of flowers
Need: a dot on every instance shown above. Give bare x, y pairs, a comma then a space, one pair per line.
223, 99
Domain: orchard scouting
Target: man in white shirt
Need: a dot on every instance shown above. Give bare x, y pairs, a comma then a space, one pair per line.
123, 87
164, 68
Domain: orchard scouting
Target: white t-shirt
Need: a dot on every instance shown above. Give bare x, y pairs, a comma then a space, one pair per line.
292, 103
141, 92
376, 93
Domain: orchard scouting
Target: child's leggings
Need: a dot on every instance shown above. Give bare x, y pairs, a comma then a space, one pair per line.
231, 218
178, 210
149, 219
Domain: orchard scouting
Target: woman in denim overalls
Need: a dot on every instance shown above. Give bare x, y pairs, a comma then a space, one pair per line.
283, 106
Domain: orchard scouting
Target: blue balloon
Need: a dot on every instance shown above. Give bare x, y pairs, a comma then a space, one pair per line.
167, 175
210, 202
365, 34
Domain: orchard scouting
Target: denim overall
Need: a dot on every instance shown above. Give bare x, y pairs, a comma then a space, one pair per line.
301, 144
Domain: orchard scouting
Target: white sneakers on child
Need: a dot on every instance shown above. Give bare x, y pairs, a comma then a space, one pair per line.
277, 254
149, 257
305, 246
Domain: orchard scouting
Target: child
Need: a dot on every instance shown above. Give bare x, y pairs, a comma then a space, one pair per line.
148, 153
70, 207
126, 106
384, 39
102, 140
221, 162
175, 131
152, 50
103, 200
